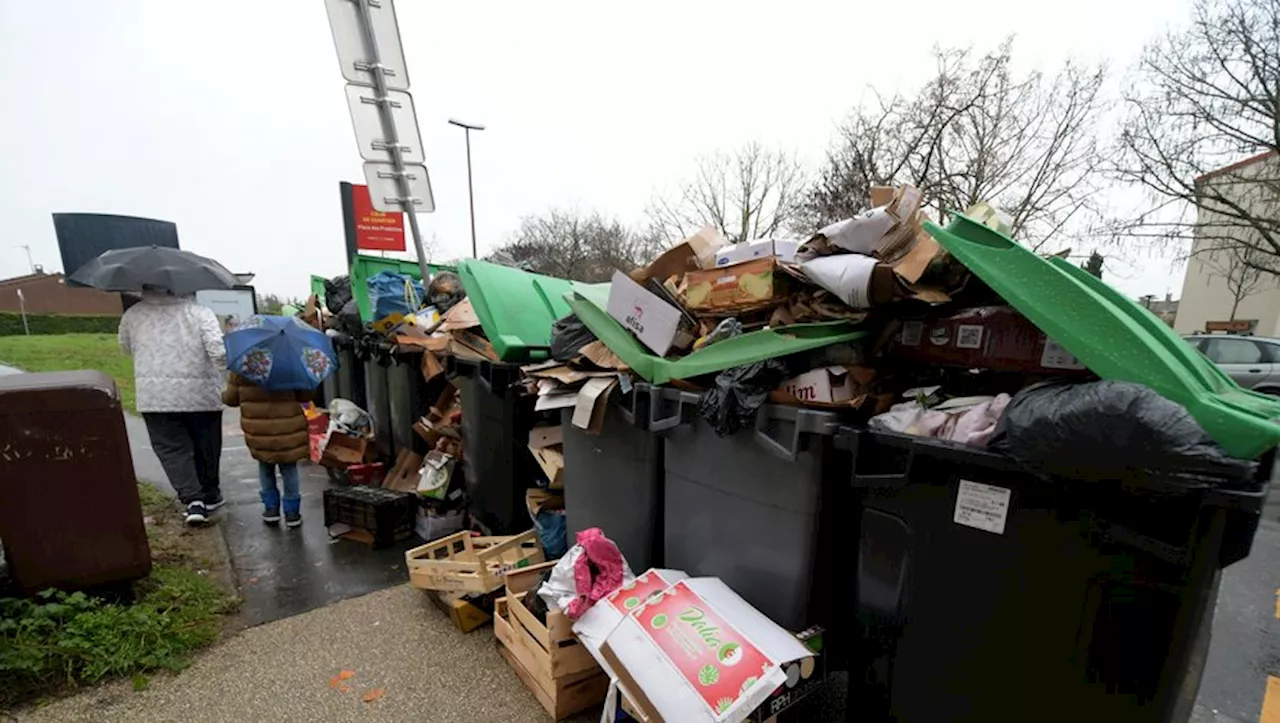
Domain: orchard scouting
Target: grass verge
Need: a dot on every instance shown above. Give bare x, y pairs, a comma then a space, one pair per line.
71, 352
57, 641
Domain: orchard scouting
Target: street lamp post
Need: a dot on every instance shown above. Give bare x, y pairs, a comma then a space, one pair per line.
471, 194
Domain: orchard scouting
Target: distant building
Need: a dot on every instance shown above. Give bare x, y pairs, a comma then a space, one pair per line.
1167, 310
1206, 295
49, 294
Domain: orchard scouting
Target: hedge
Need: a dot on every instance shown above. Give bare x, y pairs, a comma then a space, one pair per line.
11, 324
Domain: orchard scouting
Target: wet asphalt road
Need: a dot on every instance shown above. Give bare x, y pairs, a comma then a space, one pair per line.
1245, 649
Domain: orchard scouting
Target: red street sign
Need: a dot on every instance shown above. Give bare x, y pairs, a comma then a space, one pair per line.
374, 230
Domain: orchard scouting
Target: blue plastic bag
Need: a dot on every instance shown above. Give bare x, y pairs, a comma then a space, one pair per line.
391, 293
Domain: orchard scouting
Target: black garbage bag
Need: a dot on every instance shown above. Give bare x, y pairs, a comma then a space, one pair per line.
732, 404
348, 316
337, 292
568, 335
1104, 429
445, 291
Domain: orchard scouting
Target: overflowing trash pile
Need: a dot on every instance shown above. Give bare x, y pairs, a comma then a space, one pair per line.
555, 437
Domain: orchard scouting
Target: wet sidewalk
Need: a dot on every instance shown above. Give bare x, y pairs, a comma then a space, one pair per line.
281, 572
394, 641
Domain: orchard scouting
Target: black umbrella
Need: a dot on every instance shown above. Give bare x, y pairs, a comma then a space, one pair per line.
174, 270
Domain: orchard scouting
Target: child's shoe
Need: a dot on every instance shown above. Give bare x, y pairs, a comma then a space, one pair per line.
271, 515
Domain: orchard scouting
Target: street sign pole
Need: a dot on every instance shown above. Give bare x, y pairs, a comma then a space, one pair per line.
406, 199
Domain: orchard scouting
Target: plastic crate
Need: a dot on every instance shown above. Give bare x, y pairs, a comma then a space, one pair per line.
387, 515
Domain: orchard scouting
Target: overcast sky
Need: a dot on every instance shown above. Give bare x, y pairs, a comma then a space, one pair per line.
230, 120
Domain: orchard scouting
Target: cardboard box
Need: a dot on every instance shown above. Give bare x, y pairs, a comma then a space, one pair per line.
997, 338
699, 653
344, 450
540, 437
600, 619
740, 287
404, 476
783, 249
827, 384
696, 252
655, 323
464, 612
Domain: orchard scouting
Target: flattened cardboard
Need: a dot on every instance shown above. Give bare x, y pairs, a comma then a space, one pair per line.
431, 366
654, 322
592, 400
477, 345
543, 437
602, 356
461, 316
551, 460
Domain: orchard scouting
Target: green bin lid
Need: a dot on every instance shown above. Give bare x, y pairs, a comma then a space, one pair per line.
590, 301
1112, 335
516, 308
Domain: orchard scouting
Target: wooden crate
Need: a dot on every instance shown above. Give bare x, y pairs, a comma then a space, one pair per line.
548, 659
462, 563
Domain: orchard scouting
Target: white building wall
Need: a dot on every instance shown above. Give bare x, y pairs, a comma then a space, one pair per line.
1205, 296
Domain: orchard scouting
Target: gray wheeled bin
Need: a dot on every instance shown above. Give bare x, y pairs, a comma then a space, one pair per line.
984, 591
754, 508
378, 403
496, 420
405, 402
350, 373
613, 480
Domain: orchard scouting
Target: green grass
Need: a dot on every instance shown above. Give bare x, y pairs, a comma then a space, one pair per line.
69, 352
57, 640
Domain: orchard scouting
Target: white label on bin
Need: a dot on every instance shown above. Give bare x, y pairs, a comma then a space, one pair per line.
982, 507
1055, 357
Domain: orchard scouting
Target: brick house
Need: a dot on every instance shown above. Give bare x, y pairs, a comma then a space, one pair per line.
49, 294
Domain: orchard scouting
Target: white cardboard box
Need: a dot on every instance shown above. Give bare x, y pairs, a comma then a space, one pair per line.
600, 620
698, 653
654, 322
784, 249
827, 384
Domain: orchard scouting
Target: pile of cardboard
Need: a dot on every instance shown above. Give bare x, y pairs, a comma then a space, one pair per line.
845, 271
457, 333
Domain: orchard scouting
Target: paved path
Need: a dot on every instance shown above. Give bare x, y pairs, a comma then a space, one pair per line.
394, 640
281, 571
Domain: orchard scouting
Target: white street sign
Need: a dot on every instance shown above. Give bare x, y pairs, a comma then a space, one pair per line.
384, 191
353, 48
362, 100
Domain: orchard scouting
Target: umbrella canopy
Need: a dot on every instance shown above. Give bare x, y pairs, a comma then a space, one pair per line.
174, 270
280, 353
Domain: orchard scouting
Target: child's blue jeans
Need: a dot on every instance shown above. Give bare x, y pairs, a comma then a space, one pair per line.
271, 494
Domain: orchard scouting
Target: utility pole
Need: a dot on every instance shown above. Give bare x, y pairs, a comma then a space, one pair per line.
471, 194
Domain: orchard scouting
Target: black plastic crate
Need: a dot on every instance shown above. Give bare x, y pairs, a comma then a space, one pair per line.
386, 514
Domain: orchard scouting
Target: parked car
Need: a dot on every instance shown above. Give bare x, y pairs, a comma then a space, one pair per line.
1254, 362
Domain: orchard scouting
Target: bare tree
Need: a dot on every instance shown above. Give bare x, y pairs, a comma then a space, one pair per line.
572, 245
976, 132
750, 193
1204, 98
1241, 277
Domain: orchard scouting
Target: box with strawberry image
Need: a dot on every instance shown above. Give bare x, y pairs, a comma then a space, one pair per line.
696, 651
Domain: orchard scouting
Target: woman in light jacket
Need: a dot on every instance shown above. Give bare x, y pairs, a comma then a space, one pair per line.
178, 367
